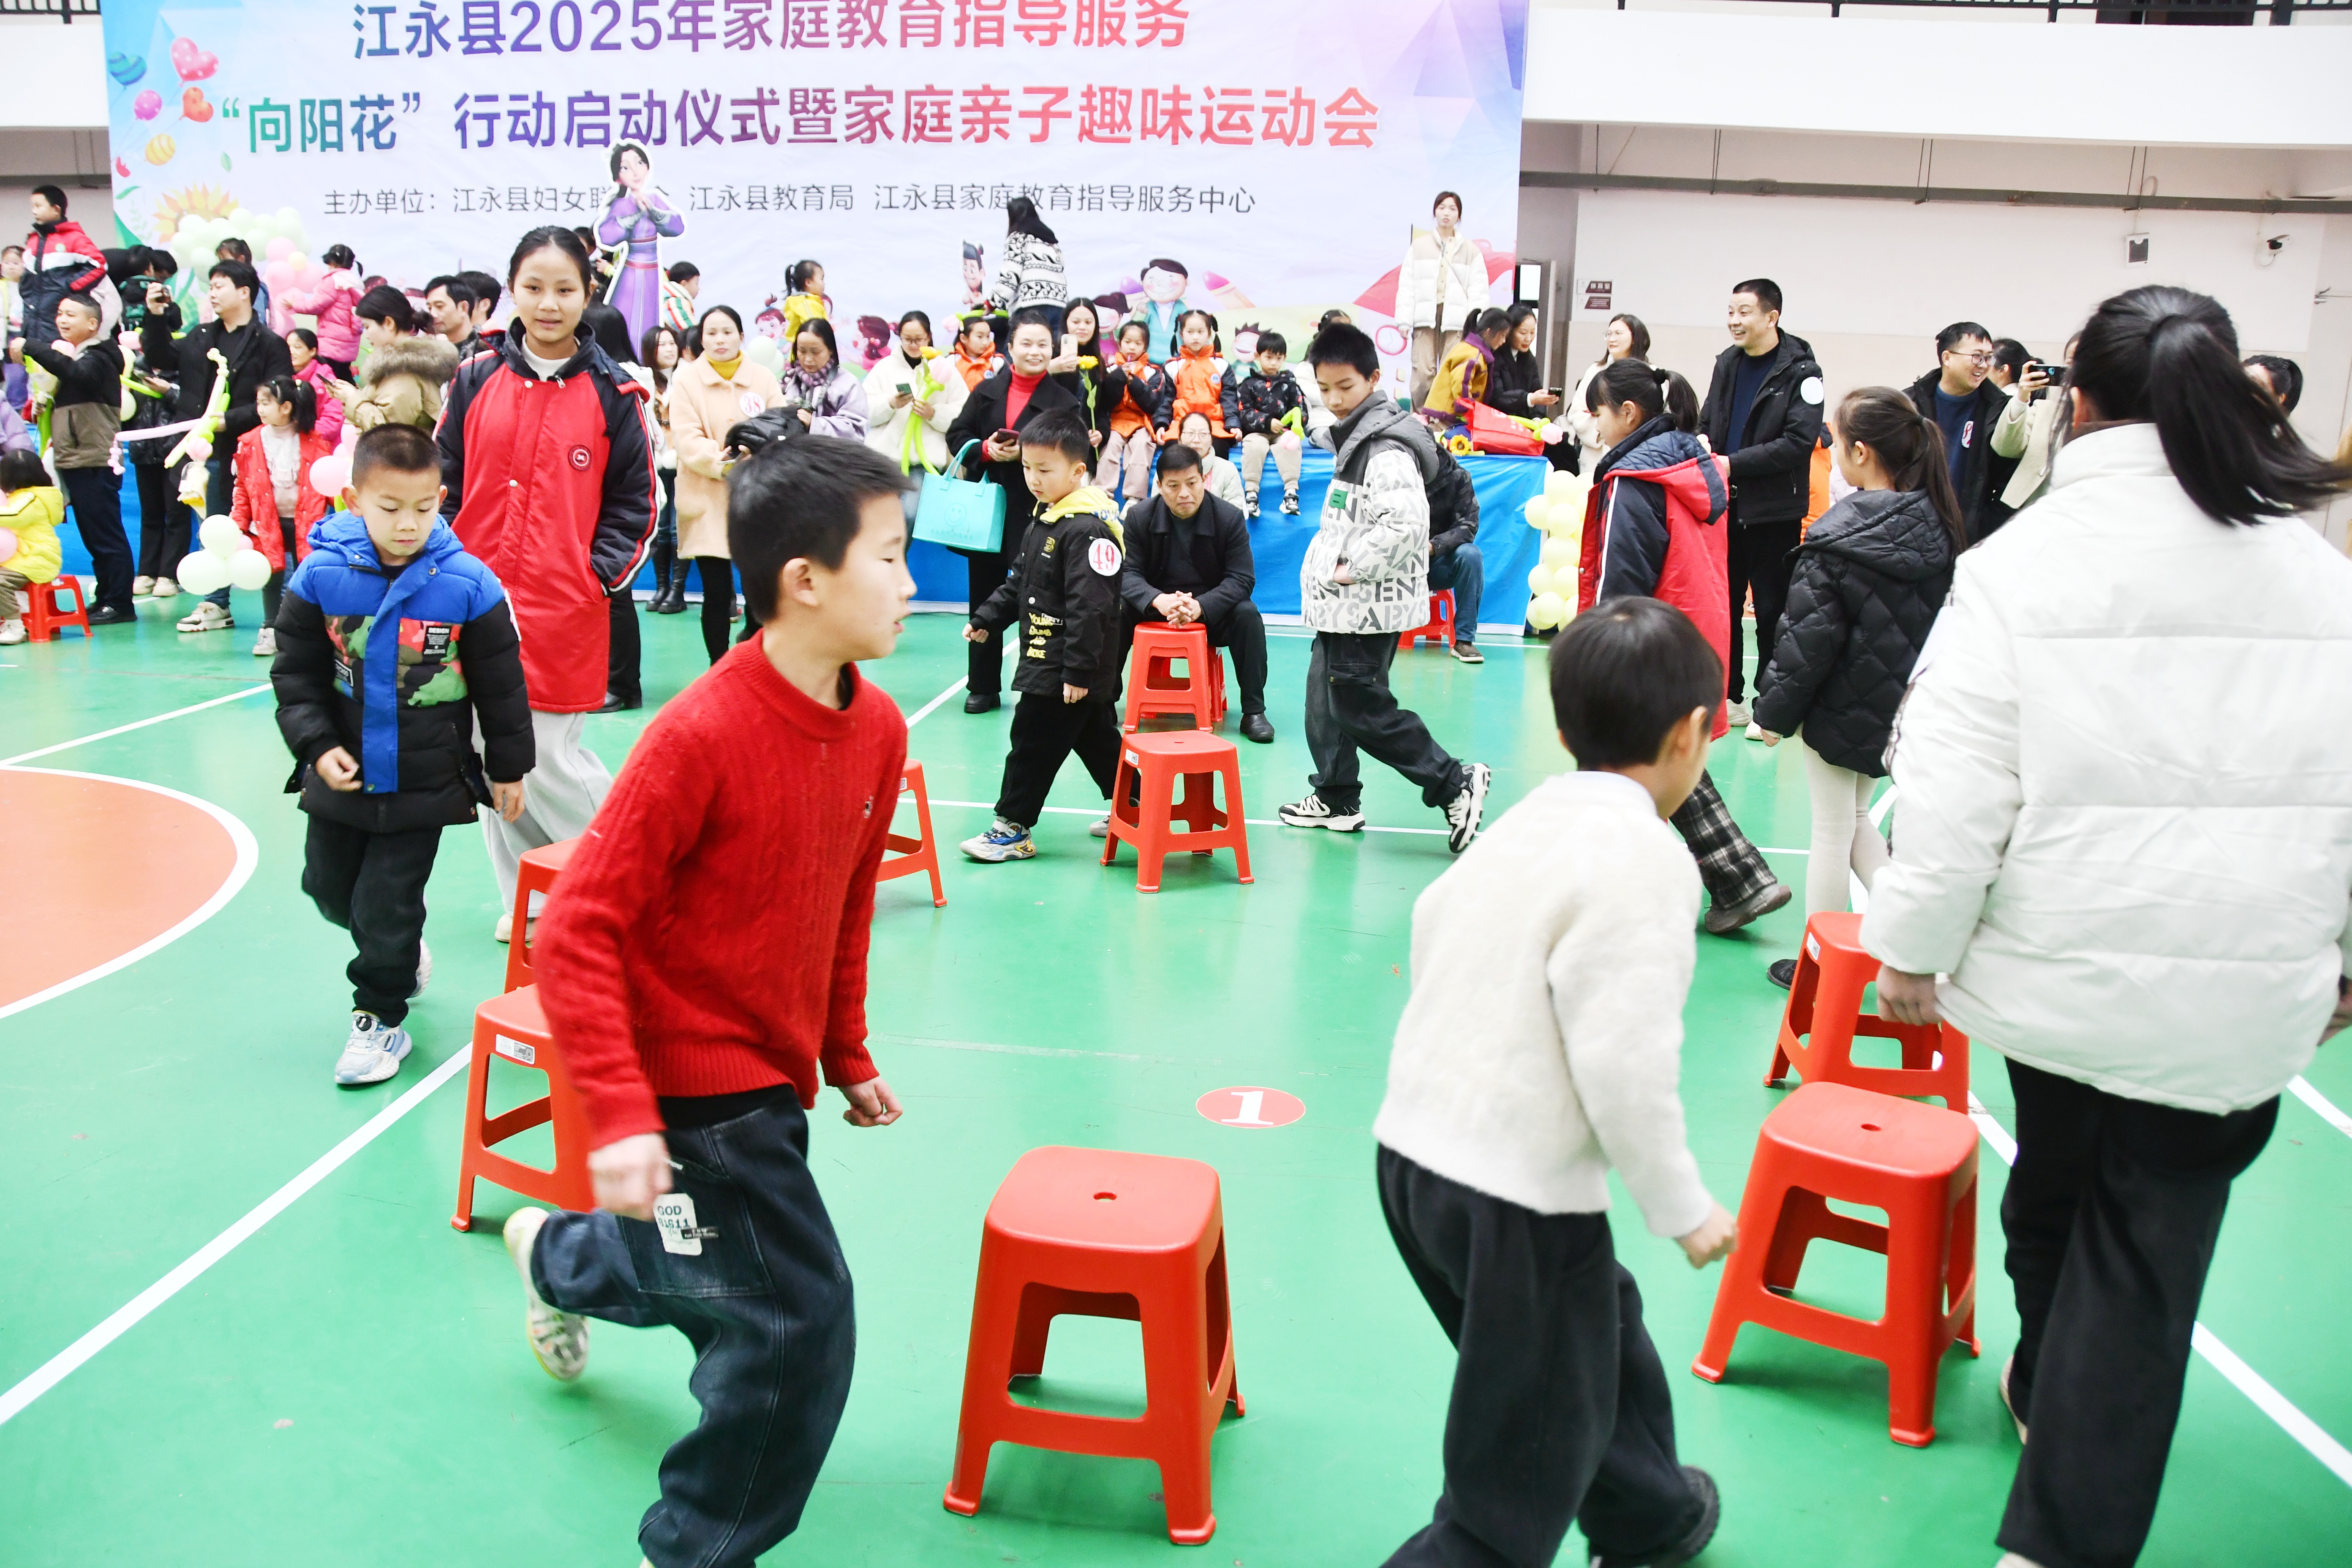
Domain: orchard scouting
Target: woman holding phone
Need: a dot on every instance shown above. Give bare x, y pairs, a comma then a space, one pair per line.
993, 415
1079, 364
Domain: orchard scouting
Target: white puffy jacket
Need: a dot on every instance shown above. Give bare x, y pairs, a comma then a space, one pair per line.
2125, 824
1441, 280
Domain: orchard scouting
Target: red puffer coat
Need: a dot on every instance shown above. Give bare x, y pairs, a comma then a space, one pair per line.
552, 485
1655, 526
253, 499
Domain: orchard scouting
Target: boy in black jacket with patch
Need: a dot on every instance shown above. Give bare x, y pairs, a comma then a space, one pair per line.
1064, 593
393, 646
1270, 412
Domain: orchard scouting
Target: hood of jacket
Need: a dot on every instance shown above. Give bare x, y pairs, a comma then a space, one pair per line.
433, 360
1896, 533
1378, 417
1092, 502
346, 534
1674, 460
1922, 394
1790, 351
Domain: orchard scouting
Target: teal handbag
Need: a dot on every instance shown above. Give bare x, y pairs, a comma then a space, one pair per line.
963, 514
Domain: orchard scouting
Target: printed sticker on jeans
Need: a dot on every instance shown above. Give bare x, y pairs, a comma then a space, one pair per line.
673, 1215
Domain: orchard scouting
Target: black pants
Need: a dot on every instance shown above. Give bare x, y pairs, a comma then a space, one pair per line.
767, 1305
1560, 1408
624, 654
341, 368
273, 593
97, 498
984, 661
1759, 560
1243, 630
2111, 1213
164, 540
1045, 730
1349, 706
373, 885
717, 575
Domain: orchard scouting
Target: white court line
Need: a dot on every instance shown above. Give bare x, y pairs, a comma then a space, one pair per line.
2221, 1357
2327, 1108
126, 728
249, 854
62, 1364
925, 711
1252, 821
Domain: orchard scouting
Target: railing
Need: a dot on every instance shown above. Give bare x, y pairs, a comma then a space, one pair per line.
64, 10
2152, 13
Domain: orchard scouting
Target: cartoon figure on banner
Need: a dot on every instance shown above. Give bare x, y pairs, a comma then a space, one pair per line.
975, 276
770, 322
639, 216
1164, 282
873, 340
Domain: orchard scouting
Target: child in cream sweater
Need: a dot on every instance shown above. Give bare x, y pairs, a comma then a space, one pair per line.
1538, 1050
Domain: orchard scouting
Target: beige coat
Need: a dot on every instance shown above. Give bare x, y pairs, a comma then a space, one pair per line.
703, 406
401, 384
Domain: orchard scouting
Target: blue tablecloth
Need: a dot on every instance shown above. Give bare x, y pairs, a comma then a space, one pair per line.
1504, 486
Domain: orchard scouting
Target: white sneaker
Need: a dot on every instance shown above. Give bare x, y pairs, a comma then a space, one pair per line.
12, 631
1464, 810
165, 588
1004, 841
372, 1053
141, 586
559, 1339
1755, 731
424, 969
1315, 812
504, 929
1738, 714
265, 645
1099, 828
208, 616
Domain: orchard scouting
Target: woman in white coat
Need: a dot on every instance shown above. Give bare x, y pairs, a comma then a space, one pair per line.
1626, 338
911, 398
2126, 835
1443, 278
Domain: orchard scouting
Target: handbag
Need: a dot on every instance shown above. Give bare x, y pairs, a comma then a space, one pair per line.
962, 514
1494, 431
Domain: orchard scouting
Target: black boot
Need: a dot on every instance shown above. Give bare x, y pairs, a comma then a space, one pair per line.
671, 600
665, 557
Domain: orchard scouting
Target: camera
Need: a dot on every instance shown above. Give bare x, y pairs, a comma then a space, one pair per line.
2271, 247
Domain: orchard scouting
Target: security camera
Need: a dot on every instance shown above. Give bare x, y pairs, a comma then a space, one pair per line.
2271, 247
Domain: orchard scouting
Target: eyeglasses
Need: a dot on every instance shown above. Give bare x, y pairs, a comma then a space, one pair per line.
1979, 360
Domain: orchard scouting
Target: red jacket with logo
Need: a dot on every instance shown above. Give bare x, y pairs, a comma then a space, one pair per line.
1655, 527
253, 498
552, 485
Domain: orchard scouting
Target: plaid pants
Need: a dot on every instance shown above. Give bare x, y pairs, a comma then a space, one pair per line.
1732, 868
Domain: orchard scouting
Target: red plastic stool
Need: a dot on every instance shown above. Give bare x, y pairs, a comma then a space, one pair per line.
1827, 1140
919, 854
1440, 625
1151, 684
537, 874
1824, 1015
513, 1025
1102, 1234
47, 617
1159, 759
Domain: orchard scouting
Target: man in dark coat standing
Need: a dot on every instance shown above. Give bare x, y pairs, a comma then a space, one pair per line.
1960, 398
1189, 563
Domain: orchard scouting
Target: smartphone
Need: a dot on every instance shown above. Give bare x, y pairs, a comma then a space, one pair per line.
2057, 372
1009, 434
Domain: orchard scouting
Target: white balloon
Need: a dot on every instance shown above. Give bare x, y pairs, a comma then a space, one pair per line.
248, 570
221, 536
1558, 483
763, 352
1558, 552
203, 573
1546, 611
1537, 510
1540, 580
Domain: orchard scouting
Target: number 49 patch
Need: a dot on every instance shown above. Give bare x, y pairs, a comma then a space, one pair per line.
1103, 556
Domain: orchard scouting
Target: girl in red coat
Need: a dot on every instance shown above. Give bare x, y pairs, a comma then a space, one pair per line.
270, 496
548, 477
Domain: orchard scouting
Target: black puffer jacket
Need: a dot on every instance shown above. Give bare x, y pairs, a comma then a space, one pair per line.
1863, 589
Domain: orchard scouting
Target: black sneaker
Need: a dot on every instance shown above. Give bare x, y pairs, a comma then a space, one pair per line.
983, 703
1290, 501
1259, 728
1722, 920
1783, 973
1313, 812
1464, 810
1249, 507
1693, 1543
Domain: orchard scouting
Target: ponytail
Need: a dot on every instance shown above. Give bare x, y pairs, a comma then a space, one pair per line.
1908, 445
1653, 391
2170, 356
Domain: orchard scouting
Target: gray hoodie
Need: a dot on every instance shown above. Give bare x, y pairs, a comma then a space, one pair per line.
1375, 519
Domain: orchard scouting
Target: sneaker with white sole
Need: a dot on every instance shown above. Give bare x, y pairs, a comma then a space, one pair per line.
208, 616
1466, 652
1099, 828
1003, 841
141, 586
424, 969
165, 588
1315, 812
1737, 715
265, 646
372, 1053
1755, 731
1464, 812
559, 1339
12, 631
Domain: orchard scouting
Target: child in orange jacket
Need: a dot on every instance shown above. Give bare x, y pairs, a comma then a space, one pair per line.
1199, 372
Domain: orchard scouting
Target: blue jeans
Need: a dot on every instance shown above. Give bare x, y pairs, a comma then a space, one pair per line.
767, 1306
1463, 570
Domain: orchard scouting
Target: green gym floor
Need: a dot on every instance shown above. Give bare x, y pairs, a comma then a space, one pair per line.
348, 1382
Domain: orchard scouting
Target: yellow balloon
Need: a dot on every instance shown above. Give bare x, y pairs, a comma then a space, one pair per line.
1540, 580
1558, 552
1558, 483
160, 150
1539, 512
1546, 611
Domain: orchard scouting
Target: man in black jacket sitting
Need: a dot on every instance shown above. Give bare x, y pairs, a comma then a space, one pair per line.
1188, 563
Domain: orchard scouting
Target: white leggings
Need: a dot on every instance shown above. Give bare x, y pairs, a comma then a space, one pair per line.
565, 785
1844, 837
1127, 458
1286, 460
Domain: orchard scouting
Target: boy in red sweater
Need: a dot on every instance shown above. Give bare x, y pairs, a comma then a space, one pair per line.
703, 962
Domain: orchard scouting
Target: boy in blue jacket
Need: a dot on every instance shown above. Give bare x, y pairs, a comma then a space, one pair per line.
393, 648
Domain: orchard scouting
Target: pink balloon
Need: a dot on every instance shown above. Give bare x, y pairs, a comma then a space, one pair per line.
148, 104
8, 543
331, 475
278, 250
